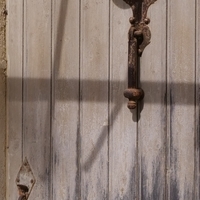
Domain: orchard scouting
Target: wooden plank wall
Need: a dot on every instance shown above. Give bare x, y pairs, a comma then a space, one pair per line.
181, 99
123, 167
94, 63
65, 116
67, 70
152, 124
197, 96
37, 93
14, 94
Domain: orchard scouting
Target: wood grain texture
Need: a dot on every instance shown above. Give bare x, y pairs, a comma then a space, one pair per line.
153, 116
65, 132
123, 126
197, 123
37, 94
94, 99
14, 95
181, 92
2, 135
67, 71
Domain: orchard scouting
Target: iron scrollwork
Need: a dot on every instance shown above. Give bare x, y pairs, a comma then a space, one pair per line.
139, 37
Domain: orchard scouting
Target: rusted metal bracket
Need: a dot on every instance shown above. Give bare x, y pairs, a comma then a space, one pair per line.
25, 181
139, 38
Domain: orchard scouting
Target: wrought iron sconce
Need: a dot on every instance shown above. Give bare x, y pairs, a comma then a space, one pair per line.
139, 37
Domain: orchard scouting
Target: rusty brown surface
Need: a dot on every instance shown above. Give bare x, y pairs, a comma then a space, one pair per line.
22, 192
139, 38
25, 180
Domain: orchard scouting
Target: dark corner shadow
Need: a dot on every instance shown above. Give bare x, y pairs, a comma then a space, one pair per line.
121, 4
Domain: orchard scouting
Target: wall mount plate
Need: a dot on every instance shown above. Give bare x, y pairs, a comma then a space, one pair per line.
25, 180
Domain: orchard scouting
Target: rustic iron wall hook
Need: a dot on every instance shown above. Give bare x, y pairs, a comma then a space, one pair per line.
139, 38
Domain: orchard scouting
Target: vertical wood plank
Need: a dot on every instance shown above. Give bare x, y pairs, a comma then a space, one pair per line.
123, 126
2, 101
197, 124
94, 98
66, 139
14, 94
153, 116
36, 97
181, 90
2, 135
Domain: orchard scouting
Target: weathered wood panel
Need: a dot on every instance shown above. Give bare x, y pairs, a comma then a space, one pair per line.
36, 94
197, 122
65, 115
181, 93
2, 135
94, 98
14, 94
123, 126
153, 115
66, 110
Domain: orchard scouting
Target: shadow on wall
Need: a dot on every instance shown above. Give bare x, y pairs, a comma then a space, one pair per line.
155, 93
183, 92
121, 4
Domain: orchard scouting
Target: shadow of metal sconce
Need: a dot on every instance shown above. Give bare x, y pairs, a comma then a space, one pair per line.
139, 38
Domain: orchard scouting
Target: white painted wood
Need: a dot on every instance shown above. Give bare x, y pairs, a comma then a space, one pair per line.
153, 117
94, 98
181, 93
36, 96
84, 143
2, 135
123, 126
14, 94
65, 132
197, 122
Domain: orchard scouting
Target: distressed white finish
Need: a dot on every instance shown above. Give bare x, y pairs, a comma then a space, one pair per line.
94, 98
67, 70
123, 136
197, 114
14, 94
181, 93
153, 116
65, 116
37, 94
2, 137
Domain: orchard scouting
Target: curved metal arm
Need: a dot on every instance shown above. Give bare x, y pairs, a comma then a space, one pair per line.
139, 38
